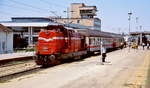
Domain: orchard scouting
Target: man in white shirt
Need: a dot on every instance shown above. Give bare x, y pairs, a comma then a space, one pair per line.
143, 45
148, 45
103, 53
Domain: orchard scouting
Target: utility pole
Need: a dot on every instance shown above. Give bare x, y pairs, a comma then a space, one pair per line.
129, 42
137, 29
141, 35
130, 13
137, 24
68, 16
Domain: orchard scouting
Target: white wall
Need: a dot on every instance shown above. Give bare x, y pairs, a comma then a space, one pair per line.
6, 42
0, 42
10, 42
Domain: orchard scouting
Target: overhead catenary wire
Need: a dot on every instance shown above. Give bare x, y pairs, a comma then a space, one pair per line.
52, 3
22, 8
34, 7
27, 5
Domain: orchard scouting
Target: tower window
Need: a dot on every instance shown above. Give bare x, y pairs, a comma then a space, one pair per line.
78, 21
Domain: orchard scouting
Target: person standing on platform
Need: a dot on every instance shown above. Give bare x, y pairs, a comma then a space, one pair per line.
143, 45
103, 53
148, 45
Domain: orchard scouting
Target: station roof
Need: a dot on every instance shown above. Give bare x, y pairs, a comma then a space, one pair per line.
3, 28
28, 24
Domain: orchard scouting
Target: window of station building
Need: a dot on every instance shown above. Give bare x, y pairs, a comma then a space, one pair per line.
93, 40
86, 11
78, 21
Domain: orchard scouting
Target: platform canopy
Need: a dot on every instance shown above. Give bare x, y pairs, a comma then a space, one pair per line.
138, 33
28, 24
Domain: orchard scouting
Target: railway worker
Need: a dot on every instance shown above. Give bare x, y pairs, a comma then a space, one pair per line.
143, 45
103, 53
148, 45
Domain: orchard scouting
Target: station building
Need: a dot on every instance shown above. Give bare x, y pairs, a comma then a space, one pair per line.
27, 28
6, 40
79, 13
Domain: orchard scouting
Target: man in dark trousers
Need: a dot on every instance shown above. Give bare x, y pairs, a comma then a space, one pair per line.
103, 53
143, 45
148, 45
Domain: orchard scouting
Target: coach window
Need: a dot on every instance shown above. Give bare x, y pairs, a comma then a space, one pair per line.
103, 39
90, 41
0, 46
97, 40
93, 40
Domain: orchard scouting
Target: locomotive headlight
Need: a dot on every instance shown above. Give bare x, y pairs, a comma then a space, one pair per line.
45, 48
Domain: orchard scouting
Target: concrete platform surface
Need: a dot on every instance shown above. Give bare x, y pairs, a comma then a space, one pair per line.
15, 55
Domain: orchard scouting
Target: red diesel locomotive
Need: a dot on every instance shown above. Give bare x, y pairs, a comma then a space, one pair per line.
58, 43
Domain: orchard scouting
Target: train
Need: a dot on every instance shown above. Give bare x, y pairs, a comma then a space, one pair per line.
58, 42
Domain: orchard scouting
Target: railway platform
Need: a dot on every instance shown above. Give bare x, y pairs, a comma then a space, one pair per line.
5, 58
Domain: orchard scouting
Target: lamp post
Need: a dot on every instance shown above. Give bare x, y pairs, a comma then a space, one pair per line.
129, 14
141, 35
137, 25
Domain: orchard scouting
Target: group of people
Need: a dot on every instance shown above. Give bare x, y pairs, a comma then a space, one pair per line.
135, 45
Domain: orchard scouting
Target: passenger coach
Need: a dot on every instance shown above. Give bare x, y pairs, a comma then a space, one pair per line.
57, 43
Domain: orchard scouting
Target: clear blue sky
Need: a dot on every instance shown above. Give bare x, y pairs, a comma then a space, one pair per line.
113, 13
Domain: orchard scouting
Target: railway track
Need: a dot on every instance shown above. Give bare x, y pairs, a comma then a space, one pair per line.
15, 69
19, 68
